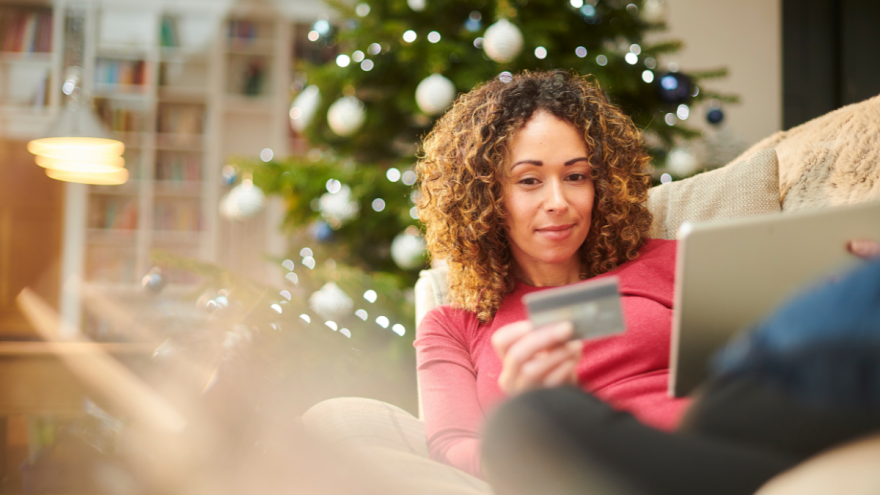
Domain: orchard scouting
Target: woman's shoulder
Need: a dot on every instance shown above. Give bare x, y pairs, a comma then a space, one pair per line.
656, 259
658, 249
449, 320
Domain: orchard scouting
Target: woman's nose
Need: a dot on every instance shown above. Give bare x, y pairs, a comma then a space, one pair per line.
555, 199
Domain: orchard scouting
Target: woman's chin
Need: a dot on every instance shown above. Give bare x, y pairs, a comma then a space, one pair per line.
557, 258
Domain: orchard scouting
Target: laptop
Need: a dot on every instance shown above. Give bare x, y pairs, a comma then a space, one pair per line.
732, 273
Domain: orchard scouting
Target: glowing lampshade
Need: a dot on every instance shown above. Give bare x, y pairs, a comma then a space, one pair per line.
98, 179
103, 165
76, 149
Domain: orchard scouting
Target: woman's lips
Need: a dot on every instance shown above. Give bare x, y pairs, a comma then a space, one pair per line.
556, 232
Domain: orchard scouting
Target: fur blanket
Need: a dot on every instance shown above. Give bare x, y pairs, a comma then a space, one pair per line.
829, 161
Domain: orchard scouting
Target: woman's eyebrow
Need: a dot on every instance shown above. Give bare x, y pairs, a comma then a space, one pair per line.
539, 163
575, 160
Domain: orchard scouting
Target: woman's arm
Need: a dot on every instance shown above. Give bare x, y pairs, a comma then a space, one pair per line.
448, 385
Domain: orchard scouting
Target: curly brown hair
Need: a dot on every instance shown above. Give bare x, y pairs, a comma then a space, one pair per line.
464, 162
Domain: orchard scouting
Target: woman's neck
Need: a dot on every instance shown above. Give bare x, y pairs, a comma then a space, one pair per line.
538, 274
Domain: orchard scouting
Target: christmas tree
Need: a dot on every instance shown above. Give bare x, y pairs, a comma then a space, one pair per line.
376, 79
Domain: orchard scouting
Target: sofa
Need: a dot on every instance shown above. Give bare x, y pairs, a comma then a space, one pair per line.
830, 161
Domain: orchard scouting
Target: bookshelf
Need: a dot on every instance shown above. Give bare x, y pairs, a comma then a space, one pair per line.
27, 68
185, 95
185, 84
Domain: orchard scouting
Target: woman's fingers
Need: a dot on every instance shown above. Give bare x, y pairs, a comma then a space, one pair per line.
864, 248
531, 343
554, 367
564, 374
507, 335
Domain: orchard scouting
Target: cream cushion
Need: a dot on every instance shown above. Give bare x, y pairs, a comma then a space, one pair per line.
390, 442
831, 160
745, 188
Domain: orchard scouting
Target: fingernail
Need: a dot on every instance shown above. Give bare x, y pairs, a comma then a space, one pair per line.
563, 329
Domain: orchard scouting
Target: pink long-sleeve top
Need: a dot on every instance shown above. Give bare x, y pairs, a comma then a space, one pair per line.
458, 368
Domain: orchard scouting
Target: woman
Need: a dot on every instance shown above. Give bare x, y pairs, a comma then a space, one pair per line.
535, 183
540, 182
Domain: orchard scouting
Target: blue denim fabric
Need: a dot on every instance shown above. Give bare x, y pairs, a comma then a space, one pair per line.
822, 346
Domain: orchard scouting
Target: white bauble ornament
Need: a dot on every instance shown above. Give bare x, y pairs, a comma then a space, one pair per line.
682, 161
417, 5
503, 41
338, 207
331, 302
434, 94
243, 201
654, 10
346, 115
303, 108
408, 250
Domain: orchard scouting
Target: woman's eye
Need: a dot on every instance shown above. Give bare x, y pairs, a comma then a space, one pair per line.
578, 177
529, 181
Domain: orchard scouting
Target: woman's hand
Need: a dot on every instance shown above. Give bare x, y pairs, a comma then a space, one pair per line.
536, 358
864, 248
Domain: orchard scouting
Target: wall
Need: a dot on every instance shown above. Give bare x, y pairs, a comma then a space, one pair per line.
746, 37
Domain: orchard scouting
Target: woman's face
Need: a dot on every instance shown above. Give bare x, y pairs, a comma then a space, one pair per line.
548, 193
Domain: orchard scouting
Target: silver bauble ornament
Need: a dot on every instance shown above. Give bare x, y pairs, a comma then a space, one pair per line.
331, 302
434, 94
408, 250
338, 207
303, 108
242, 201
682, 161
346, 115
654, 10
503, 41
154, 281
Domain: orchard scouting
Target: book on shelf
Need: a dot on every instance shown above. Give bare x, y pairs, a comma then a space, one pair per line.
120, 72
26, 30
181, 119
242, 32
119, 119
178, 167
176, 216
113, 213
168, 35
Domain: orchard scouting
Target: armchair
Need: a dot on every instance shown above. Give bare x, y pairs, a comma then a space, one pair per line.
832, 160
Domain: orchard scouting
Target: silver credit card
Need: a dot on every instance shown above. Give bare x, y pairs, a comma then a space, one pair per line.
593, 307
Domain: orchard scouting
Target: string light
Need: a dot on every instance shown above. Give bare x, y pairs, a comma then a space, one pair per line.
683, 112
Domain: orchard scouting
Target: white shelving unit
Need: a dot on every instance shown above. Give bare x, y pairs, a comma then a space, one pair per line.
184, 84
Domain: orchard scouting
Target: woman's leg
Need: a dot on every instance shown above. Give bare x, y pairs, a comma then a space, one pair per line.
564, 441
754, 411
